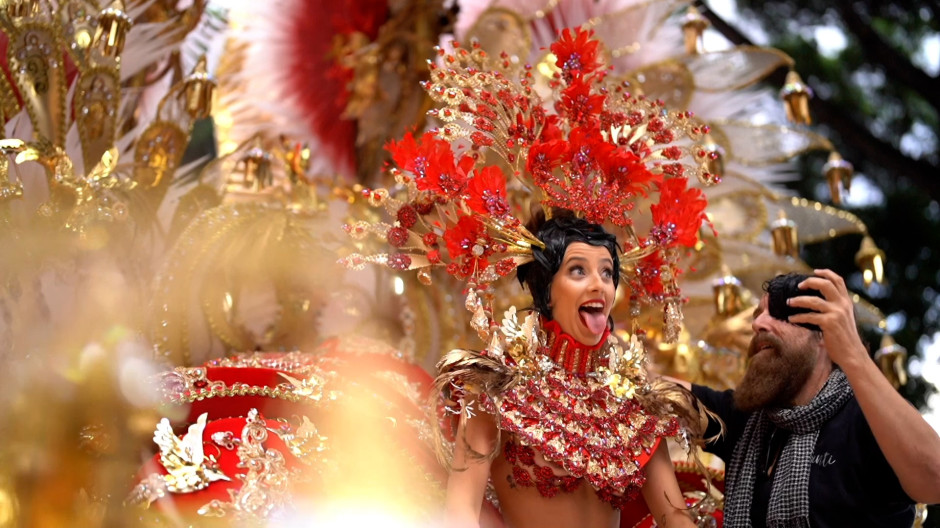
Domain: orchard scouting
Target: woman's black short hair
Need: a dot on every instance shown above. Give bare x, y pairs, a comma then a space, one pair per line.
781, 288
557, 233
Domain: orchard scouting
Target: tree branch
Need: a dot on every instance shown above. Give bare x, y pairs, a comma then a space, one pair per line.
898, 67
727, 30
921, 173
856, 135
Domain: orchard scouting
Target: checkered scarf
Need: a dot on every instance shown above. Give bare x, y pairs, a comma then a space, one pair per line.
789, 497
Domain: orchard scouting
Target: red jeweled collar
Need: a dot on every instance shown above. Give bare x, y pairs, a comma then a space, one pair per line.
568, 353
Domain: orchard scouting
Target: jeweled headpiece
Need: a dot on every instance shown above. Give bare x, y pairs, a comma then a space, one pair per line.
592, 147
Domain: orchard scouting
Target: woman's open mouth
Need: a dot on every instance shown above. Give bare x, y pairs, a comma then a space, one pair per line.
593, 316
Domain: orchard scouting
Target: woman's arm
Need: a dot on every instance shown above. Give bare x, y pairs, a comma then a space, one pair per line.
662, 494
468, 477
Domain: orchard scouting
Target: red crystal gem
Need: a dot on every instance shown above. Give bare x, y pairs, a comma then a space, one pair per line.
397, 236
407, 216
399, 262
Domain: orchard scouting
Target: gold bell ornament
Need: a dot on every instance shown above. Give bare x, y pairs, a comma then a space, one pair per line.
838, 174
890, 357
113, 25
693, 25
784, 232
796, 96
727, 294
871, 260
254, 167
198, 90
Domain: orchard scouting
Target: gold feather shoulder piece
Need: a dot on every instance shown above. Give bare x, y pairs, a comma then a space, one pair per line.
473, 372
669, 397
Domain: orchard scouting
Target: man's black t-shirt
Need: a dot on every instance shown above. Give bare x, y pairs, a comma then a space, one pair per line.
850, 483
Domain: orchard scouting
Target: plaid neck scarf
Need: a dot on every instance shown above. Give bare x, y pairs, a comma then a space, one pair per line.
789, 497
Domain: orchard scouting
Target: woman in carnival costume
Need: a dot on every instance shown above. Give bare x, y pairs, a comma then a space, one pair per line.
554, 400
543, 437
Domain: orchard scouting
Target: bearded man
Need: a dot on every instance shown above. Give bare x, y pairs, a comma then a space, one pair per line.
815, 434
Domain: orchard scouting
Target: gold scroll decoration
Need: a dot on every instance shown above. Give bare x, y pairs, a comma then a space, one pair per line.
33, 53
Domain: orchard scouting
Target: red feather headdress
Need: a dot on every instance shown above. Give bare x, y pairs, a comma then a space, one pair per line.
611, 156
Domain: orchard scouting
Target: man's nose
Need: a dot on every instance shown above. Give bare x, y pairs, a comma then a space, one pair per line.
760, 322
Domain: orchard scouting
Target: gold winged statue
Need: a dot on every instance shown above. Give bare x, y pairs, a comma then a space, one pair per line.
189, 469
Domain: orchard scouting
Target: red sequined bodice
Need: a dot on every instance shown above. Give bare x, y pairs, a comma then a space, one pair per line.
526, 473
574, 420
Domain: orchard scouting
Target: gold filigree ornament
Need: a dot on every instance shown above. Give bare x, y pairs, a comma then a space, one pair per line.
265, 484
162, 144
184, 385
188, 468
9, 189
304, 442
309, 388
39, 69
76, 45
255, 218
520, 342
625, 373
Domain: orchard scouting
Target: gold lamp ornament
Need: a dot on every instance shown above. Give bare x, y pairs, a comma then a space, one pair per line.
796, 95
871, 260
9, 189
693, 25
838, 174
113, 25
785, 236
255, 167
727, 294
890, 357
198, 90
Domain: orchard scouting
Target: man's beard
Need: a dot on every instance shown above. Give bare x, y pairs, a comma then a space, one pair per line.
775, 377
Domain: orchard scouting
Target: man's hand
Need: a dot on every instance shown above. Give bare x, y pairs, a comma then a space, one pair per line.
834, 314
914, 455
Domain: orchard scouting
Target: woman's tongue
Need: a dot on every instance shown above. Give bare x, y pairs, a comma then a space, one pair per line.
594, 320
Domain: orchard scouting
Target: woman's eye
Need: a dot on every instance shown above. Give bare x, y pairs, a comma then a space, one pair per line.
608, 273
577, 270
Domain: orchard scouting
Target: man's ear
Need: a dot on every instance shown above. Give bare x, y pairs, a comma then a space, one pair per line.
820, 343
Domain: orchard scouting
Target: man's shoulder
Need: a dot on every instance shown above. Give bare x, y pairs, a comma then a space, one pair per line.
849, 420
721, 402
706, 393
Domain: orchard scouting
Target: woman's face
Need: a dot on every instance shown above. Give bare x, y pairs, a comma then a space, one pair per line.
582, 292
